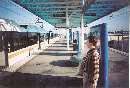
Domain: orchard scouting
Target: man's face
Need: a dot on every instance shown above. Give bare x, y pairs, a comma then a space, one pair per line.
88, 44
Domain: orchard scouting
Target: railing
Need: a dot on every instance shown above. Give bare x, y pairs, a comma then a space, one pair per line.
119, 41
18, 58
16, 48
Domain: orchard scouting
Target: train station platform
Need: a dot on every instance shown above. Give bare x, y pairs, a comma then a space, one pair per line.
36, 37
52, 68
54, 60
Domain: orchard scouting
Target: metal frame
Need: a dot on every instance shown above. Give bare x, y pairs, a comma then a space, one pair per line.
93, 9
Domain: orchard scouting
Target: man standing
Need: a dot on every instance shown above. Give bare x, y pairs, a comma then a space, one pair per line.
89, 67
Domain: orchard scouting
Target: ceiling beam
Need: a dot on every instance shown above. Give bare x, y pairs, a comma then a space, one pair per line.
110, 7
50, 3
49, 17
42, 0
54, 7
57, 15
61, 20
99, 9
45, 13
57, 12
74, 10
109, 2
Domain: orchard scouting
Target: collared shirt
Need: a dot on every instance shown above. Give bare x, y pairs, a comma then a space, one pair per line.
90, 64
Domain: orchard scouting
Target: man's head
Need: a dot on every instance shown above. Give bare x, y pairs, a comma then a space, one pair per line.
92, 41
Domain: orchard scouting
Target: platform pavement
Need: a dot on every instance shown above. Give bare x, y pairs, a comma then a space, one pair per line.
52, 69
53, 61
118, 70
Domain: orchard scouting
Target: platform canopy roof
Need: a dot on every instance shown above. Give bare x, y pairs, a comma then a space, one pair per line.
54, 11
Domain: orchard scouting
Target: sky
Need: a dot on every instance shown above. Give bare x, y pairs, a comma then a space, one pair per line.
118, 20
12, 11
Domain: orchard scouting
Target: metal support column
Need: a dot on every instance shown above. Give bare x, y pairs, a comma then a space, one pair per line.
82, 30
104, 52
70, 36
43, 37
67, 28
49, 37
28, 42
39, 42
118, 43
82, 34
122, 40
67, 39
78, 43
3, 49
73, 36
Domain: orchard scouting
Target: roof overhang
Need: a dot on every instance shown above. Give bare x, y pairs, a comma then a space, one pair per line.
54, 11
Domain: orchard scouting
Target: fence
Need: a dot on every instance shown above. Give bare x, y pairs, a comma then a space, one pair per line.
23, 49
119, 41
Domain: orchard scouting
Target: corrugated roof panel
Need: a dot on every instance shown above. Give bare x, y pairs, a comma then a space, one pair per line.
54, 11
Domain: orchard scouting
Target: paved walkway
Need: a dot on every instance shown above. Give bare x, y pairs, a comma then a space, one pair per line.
53, 69
118, 70
53, 61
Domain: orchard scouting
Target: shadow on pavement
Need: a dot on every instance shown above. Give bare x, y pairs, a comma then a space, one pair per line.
27, 80
57, 50
61, 46
60, 43
64, 63
57, 53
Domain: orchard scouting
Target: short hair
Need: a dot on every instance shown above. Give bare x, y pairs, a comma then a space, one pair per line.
92, 39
